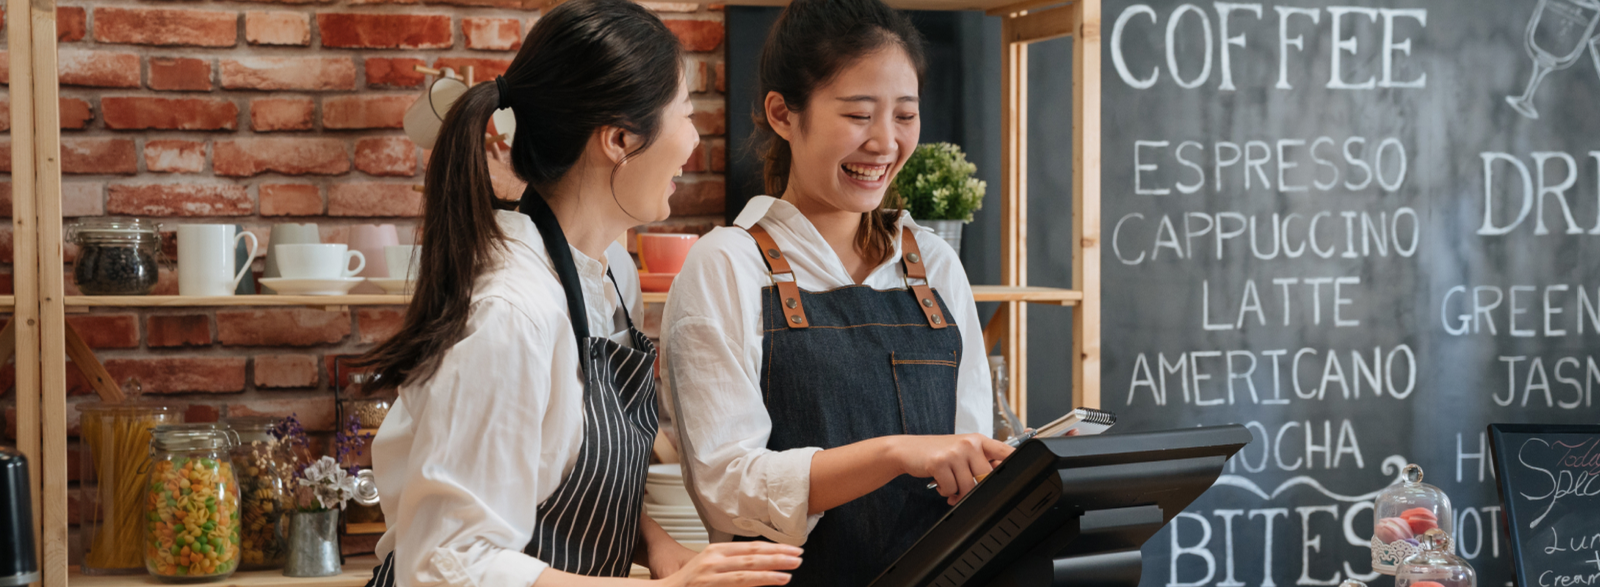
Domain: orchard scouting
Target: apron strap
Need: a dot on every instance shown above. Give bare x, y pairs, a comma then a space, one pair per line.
621, 301
794, 314
911, 260
555, 243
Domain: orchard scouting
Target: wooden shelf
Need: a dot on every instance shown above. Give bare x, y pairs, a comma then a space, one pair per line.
357, 570
257, 300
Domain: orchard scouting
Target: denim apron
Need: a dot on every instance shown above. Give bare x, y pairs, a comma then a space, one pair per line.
590, 525
846, 365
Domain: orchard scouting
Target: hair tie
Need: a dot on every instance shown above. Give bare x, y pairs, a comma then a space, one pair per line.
505, 92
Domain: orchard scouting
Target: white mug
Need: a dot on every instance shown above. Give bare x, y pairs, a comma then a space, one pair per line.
288, 234
407, 256
206, 259
331, 261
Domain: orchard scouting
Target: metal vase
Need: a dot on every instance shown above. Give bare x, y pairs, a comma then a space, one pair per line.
313, 545
949, 230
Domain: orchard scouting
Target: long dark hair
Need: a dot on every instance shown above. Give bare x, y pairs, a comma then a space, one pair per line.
585, 65
811, 43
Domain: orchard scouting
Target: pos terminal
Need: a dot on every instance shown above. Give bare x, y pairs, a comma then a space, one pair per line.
1069, 511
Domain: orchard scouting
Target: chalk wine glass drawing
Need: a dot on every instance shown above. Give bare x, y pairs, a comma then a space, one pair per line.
1557, 35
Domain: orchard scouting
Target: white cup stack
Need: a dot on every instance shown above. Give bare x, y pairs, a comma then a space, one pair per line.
666, 501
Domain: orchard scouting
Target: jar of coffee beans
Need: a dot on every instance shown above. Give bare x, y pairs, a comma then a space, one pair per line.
116, 256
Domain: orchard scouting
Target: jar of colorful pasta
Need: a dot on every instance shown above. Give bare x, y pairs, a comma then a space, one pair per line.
266, 496
192, 504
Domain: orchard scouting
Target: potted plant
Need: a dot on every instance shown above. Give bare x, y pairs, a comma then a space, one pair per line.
323, 487
937, 187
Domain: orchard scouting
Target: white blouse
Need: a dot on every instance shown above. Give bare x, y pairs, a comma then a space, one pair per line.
712, 344
464, 459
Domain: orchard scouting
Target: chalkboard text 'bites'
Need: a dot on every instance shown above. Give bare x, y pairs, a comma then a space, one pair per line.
1345, 25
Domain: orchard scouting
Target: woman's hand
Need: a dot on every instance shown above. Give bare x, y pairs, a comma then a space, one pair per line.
737, 564
667, 558
954, 461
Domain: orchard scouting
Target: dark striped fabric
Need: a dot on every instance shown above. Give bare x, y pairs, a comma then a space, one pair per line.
590, 525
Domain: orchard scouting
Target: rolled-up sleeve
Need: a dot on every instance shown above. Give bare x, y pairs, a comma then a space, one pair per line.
712, 345
744, 488
477, 456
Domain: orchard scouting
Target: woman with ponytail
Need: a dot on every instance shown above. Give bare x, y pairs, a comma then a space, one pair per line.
517, 452
825, 357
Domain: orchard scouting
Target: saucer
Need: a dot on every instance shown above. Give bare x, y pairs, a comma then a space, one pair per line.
311, 287
394, 286
656, 282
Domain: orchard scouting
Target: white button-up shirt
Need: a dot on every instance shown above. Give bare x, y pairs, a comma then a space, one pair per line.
712, 338
464, 459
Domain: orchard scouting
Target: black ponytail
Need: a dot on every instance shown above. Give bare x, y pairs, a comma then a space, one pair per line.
586, 64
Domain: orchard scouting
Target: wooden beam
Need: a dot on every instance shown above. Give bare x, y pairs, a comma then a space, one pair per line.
1014, 207
995, 330
52, 319
25, 314
1086, 204
1043, 25
89, 365
1022, 6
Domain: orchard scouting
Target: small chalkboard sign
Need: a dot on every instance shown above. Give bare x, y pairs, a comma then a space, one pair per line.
1550, 488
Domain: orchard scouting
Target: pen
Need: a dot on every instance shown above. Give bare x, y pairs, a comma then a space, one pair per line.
1015, 441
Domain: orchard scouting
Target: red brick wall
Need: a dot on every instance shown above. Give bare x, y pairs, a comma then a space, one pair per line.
255, 113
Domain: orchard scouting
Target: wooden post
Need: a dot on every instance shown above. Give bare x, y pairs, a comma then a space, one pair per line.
1086, 203
1014, 206
52, 318
25, 273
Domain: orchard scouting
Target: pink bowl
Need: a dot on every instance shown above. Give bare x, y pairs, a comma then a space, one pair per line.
656, 282
664, 252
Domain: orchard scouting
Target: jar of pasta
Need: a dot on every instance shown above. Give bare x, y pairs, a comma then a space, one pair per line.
192, 501
265, 494
116, 443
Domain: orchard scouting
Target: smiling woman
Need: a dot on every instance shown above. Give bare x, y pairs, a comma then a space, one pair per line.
825, 349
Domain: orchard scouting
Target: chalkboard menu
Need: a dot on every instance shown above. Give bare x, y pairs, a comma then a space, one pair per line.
1365, 231
1550, 487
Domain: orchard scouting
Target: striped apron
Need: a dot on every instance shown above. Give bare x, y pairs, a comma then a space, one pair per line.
590, 525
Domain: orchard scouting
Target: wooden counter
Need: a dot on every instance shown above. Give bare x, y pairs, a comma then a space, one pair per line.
357, 570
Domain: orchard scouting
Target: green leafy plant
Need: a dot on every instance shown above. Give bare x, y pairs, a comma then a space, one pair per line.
937, 184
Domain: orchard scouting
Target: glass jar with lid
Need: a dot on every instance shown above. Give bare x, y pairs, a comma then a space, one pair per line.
266, 497
116, 256
192, 498
116, 438
1436, 565
1402, 514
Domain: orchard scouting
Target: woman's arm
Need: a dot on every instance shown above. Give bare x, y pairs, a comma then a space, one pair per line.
478, 455
955, 462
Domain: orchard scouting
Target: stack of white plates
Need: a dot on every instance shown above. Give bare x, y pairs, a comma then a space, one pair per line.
666, 501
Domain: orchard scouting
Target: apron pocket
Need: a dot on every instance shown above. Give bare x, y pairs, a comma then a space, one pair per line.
925, 385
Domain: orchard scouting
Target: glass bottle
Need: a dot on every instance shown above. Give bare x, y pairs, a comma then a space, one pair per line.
266, 497
117, 440
192, 500
116, 256
1402, 514
1435, 566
